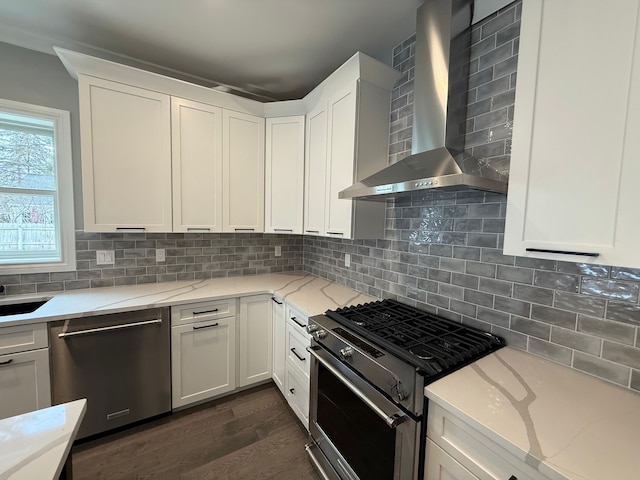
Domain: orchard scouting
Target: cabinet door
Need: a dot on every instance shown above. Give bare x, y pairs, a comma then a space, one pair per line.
439, 465
202, 360
24, 382
574, 161
279, 332
126, 157
341, 157
255, 344
196, 145
284, 183
315, 171
243, 172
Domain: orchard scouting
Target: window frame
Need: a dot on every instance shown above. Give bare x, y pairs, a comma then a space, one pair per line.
64, 190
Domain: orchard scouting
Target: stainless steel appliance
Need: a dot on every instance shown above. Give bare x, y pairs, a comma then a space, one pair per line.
120, 363
370, 364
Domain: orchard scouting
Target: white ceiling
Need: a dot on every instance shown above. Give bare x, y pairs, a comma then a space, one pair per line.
276, 48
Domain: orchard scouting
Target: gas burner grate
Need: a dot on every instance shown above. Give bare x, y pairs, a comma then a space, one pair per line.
423, 339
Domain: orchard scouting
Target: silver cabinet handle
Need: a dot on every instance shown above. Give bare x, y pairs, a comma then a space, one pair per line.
297, 322
109, 329
392, 420
206, 326
7, 362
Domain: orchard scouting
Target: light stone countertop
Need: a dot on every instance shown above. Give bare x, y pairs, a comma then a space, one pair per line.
567, 423
35, 445
309, 293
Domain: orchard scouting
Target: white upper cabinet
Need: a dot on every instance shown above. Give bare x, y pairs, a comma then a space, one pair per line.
126, 157
196, 143
576, 149
243, 172
341, 150
347, 140
284, 174
315, 171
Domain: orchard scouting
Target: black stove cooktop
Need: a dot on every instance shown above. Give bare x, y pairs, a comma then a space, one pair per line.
436, 344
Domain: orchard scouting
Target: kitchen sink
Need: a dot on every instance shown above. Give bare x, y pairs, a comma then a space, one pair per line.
17, 308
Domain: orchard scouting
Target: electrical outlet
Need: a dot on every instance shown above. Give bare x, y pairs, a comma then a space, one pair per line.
347, 259
105, 257
160, 255
278, 251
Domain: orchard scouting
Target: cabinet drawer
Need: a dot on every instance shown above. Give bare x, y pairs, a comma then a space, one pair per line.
197, 312
22, 338
296, 349
297, 394
477, 453
297, 320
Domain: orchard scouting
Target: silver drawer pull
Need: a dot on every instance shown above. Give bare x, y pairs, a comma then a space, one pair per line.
198, 229
302, 359
109, 329
206, 311
206, 326
7, 362
298, 323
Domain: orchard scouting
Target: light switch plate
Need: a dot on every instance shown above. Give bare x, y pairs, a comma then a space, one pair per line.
161, 255
347, 259
105, 257
278, 251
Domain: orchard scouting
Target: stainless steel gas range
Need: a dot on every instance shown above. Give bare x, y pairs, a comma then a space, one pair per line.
370, 364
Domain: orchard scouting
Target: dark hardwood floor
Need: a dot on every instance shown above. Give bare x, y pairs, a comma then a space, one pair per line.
248, 435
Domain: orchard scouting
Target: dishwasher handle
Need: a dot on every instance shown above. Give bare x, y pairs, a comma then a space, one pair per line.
109, 329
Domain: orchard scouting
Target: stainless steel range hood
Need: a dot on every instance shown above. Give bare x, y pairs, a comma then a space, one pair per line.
440, 98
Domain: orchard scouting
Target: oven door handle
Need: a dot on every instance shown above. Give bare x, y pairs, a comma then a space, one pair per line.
392, 420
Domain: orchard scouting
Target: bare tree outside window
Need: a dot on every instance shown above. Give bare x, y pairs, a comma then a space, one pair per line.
27, 185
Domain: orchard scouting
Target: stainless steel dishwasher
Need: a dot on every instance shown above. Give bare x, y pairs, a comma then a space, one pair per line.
119, 362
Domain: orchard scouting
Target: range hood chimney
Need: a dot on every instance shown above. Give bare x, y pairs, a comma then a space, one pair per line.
438, 160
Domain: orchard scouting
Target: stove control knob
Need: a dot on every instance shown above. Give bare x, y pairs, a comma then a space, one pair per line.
346, 352
312, 327
319, 334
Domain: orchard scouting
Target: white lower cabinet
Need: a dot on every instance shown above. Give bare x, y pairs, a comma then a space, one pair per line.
279, 333
297, 395
297, 361
254, 341
203, 362
203, 355
24, 370
457, 451
442, 466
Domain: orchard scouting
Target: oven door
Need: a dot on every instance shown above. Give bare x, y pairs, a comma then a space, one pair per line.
358, 433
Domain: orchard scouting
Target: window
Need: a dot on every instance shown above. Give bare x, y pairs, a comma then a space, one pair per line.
36, 189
